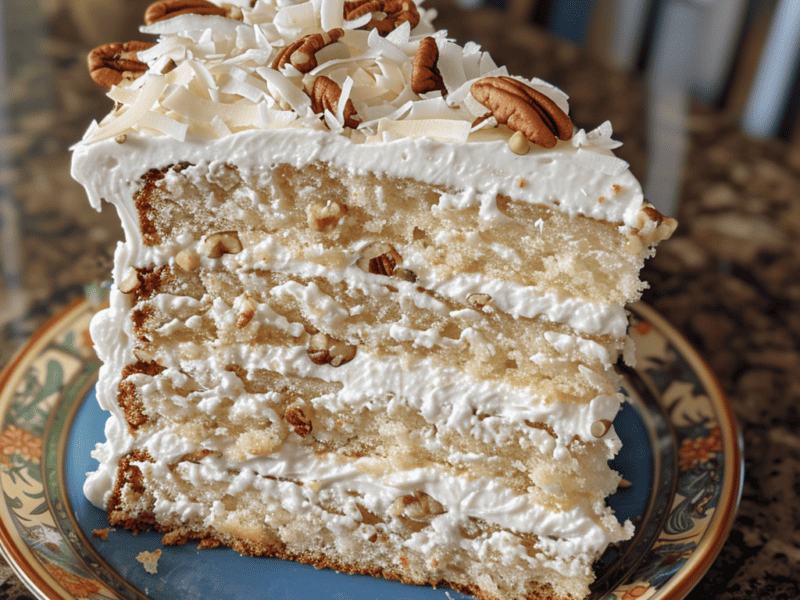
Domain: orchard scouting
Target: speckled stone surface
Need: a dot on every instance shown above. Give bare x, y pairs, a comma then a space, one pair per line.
729, 280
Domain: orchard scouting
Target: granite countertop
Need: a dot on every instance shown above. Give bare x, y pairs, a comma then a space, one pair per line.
729, 280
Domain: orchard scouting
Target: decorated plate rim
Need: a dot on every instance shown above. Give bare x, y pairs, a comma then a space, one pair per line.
66, 337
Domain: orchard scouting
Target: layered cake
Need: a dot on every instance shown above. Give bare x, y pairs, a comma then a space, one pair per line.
369, 302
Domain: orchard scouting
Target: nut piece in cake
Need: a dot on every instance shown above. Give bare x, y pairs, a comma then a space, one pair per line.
188, 260
222, 242
298, 415
130, 282
379, 258
324, 216
323, 349
418, 506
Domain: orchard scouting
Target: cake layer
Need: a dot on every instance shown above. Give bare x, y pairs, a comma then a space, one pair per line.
387, 318
503, 238
379, 525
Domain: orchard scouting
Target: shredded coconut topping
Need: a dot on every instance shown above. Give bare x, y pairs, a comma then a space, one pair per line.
211, 76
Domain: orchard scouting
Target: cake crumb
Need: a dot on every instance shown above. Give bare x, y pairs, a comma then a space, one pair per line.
101, 533
149, 560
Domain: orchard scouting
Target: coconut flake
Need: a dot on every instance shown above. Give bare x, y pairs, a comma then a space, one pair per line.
601, 136
245, 36
163, 124
255, 55
456, 96
599, 161
471, 60
434, 108
298, 100
219, 127
241, 114
295, 16
241, 88
262, 39
274, 119
391, 76
192, 23
347, 87
357, 23
330, 120
354, 57
380, 112
400, 35
331, 14
147, 98
191, 106
385, 47
446, 130
202, 74
124, 95
487, 65
335, 51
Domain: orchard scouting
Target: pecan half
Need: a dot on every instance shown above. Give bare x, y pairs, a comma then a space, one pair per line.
109, 64
301, 53
166, 9
523, 109
387, 14
325, 95
425, 75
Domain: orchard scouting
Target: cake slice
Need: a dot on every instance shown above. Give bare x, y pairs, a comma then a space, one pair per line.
369, 302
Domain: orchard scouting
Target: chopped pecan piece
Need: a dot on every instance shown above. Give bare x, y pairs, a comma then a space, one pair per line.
324, 216
324, 350
379, 258
302, 53
387, 14
130, 281
418, 506
222, 242
247, 310
188, 260
405, 275
110, 64
523, 109
298, 415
